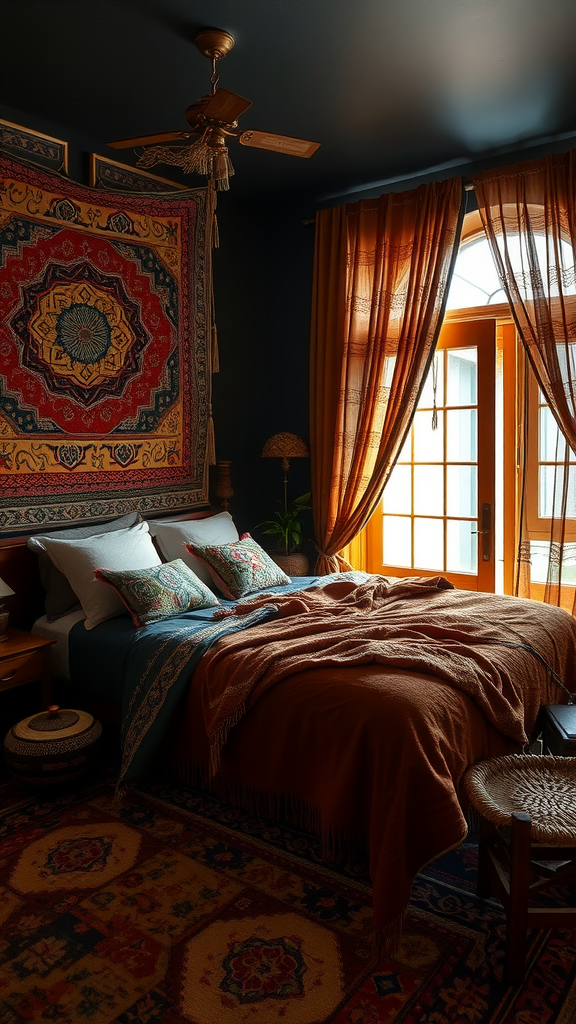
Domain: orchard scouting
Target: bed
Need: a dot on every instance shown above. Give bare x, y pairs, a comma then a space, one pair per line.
351, 704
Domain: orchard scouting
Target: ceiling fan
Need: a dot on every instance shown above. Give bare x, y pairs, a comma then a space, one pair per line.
212, 120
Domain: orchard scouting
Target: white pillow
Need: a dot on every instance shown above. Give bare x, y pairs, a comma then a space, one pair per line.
77, 559
171, 538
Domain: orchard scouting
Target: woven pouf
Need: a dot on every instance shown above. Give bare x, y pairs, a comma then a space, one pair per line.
52, 747
542, 786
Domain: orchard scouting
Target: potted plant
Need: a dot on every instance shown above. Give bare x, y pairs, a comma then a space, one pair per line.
286, 527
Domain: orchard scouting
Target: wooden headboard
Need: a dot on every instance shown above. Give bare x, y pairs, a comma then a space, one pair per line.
19, 569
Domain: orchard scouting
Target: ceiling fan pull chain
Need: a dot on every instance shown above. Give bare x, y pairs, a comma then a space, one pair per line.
214, 77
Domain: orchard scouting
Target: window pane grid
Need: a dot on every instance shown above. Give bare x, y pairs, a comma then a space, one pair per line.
430, 502
552, 447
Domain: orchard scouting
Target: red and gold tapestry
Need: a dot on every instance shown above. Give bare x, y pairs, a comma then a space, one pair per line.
105, 350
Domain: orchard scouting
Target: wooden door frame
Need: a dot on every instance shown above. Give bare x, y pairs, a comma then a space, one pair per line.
504, 344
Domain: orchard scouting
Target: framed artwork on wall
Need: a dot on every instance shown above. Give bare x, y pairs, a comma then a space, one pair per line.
106, 173
36, 148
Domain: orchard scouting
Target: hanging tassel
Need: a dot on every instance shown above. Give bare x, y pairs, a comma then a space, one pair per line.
222, 168
215, 352
197, 158
202, 157
210, 439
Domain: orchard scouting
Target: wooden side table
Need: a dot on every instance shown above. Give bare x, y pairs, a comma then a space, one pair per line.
24, 659
559, 729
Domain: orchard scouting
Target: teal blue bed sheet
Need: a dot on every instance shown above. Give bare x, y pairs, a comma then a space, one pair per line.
99, 657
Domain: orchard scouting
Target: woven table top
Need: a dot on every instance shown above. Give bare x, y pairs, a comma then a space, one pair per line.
542, 786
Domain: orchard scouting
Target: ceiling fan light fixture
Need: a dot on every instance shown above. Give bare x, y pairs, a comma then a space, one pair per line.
214, 118
213, 43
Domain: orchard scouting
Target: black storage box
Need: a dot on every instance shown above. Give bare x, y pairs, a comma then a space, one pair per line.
559, 729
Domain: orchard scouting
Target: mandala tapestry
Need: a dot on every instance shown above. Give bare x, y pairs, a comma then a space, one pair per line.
105, 350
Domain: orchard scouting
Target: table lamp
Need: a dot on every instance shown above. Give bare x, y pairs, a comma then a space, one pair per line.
224, 489
5, 591
285, 446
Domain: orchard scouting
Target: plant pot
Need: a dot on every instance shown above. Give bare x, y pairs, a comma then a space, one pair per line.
295, 564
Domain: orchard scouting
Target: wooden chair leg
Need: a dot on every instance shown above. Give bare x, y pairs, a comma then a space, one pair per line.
483, 886
517, 910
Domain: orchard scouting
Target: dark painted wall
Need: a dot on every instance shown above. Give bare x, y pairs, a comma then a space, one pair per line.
262, 280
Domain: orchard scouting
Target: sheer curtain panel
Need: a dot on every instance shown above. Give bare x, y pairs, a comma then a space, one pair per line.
381, 274
529, 215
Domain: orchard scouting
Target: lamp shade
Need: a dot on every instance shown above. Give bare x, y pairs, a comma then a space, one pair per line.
224, 489
5, 590
285, 446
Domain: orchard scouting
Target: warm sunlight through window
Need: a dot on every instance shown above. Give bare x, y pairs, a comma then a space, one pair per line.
430, 502
451, 502
475, 281
549, 460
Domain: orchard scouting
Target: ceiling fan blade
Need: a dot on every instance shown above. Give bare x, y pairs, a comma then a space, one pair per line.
149, 140
225, 106
279, 143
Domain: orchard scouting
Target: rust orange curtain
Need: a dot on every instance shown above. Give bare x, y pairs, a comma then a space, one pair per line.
529, 215
381, 272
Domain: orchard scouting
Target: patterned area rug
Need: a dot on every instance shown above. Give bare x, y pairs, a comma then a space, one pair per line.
168, 907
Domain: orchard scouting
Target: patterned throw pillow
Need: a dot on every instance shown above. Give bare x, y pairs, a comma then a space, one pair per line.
239, 568
160, 592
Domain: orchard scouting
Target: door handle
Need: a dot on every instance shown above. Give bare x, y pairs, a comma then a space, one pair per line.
486, 531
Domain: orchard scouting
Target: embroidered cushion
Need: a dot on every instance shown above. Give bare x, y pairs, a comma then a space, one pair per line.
171, 536
77, 559
159, 592
239, 568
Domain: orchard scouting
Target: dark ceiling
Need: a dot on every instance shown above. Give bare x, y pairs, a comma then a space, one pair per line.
390, 88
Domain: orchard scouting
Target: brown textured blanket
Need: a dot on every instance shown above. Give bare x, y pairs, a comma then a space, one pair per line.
388, 691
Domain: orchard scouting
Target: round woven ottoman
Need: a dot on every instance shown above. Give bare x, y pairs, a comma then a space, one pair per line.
53, 747
527, 843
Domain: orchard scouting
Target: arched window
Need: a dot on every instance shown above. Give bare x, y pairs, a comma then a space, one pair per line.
475, 281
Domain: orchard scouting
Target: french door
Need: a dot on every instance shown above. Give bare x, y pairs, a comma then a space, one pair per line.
437, 510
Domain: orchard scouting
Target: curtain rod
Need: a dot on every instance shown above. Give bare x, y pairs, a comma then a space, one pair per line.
468, 187
513, 150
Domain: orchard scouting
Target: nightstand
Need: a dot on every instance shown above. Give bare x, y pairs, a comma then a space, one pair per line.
559, 729
24, 659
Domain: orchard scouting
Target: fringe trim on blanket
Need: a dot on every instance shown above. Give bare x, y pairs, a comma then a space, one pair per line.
387, 937
338, 845
220, 737
123, 791
472, 819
